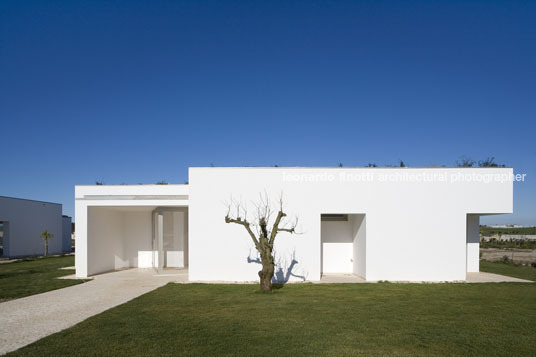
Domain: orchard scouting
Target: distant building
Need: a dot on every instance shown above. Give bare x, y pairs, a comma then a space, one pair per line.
508, 226
21, 224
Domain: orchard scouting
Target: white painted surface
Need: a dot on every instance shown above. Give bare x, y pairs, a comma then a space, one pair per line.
105, 240
175, 259
415, 231
27, 219
145, 258
401, 230
114, 225
338, 257
359, 232
137, 235
337, 246
473, 243
121, 237
175, 237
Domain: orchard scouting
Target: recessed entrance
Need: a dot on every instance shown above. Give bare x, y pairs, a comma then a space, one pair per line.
343, 240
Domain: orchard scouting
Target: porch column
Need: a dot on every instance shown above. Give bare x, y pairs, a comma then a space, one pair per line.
160, 239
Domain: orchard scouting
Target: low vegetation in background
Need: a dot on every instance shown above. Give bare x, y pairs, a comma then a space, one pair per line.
508, 244
309, 319
33, 276
462, 162
465, 161
490, 231
506, 267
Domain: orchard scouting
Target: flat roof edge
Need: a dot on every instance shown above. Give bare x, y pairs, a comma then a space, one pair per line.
136, 184
30, 200
346, 167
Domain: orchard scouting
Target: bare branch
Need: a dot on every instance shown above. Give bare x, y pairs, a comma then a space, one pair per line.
275, 227
290, 230
246, 225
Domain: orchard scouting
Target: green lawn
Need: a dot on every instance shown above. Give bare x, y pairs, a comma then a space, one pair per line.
310, 319
34, 276
517, 271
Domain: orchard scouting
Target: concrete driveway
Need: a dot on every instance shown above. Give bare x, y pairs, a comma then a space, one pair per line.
25, 320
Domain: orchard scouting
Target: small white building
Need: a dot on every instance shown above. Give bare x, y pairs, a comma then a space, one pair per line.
397, 224
21, 223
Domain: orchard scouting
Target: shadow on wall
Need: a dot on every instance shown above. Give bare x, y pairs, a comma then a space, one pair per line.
283, 268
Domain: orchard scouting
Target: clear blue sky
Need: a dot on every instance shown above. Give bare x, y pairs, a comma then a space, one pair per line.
136, 92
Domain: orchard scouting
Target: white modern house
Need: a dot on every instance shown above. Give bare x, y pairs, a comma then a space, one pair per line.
21, 224
406, 224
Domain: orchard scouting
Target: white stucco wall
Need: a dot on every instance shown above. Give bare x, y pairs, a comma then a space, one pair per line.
414, 230
105, 238
137, 235
337, 246
121, 237
27, 219
398, 230
359, 232
176, 238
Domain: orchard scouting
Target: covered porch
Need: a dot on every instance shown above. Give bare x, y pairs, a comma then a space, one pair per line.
122, 227
137, 237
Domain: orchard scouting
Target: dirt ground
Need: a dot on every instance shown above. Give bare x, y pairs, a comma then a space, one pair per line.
520, 256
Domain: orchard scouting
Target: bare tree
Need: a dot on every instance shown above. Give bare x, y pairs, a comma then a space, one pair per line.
265, 232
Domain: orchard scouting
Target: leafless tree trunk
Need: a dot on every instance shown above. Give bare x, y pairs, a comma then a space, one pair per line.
265, 234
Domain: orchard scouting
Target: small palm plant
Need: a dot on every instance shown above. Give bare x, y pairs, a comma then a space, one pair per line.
46, 235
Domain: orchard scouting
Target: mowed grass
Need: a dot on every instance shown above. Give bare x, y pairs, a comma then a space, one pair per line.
34, 276
516, 271
309, 319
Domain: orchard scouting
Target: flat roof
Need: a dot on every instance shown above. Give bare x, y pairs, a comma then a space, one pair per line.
26, 199
135, 184
350, 167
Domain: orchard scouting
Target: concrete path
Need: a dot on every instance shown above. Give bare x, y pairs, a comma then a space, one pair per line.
481, 277
493, 278
25, 320
336, 278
